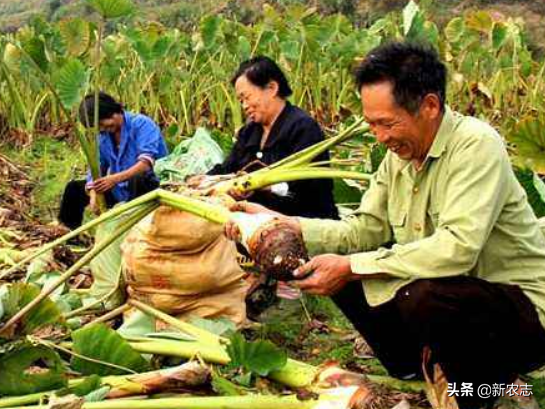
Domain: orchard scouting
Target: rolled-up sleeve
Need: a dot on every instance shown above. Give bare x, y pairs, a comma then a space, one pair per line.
148, 140
364, 230
474, 196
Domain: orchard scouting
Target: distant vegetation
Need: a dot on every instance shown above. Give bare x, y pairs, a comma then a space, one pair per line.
180, 75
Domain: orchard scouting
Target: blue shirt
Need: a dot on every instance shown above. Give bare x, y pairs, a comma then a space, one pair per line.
141, 140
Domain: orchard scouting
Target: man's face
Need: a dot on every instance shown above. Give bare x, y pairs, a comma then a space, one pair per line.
111, 125
401, 132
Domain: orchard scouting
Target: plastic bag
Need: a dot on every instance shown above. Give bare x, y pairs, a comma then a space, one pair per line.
193, 156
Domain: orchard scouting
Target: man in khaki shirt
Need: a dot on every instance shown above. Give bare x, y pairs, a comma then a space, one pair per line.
466, 275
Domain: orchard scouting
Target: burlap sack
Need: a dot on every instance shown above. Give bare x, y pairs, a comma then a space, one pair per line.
184, 265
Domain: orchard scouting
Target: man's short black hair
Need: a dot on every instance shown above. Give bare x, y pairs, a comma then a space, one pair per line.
414, 70
107, 107
260, 71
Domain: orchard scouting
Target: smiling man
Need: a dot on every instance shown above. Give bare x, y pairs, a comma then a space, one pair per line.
129, 145
465, 276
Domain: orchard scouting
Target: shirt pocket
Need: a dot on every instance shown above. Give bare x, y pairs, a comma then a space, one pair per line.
433, 213
398, 220
433, 217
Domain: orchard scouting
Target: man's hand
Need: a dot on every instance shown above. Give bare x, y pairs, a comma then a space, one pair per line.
105, 183
326, 274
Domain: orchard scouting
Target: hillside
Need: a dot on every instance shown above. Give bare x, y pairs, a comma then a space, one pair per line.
15, 14
185, 13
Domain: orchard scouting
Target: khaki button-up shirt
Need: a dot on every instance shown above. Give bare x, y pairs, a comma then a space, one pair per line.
463, 213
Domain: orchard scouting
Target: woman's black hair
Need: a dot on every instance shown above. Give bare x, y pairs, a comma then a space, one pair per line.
414, 70
260, 71
107, 107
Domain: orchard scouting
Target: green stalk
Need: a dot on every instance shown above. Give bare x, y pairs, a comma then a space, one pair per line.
32, 120
111, 314
79, 264
199, 334
116, 211
213, 212
183, 349
94, 166
254, 181
103, 299
126, 382
23, 400
212, 402
15, 95
305, 156
339, 162
296, 166
295, 374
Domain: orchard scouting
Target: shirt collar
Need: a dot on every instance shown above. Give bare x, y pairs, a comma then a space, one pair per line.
275, 132
127, 122
448, 123
443, 134
254, 140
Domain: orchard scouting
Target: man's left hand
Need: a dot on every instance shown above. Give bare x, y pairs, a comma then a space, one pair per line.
105, 183
325, 274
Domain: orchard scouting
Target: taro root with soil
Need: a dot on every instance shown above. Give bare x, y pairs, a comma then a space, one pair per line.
278, 249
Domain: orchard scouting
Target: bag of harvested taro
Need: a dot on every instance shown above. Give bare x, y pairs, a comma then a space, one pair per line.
184, 265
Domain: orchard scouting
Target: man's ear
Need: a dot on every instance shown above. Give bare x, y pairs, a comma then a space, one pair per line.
431, 106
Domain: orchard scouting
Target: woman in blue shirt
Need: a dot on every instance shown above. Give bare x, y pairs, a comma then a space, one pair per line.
129, 145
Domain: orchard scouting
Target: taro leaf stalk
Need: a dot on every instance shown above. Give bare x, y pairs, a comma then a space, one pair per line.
297, 166
201, 335
335, 399
294, 374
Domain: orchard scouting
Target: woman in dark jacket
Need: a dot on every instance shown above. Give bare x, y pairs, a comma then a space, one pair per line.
276, 129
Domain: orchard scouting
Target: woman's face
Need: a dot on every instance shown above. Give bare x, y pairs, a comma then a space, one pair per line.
256, 101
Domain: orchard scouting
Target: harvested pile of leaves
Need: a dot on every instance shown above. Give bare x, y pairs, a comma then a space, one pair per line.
19, 231
15, 190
